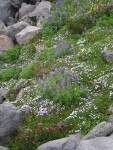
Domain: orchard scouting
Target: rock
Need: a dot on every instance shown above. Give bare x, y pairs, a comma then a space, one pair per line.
5, 43
45, 13
25, 10
10, 31
3, 148
110, 108
6, 10
102, 129
10, 118
68, 143
11, 21
16, 3
107, 55
39, 8
2, 25
110, 119
27, 34
2, 98
26, 109
100, 143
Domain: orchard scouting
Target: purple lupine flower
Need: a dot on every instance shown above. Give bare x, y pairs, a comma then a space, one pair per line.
49, 17
44, 88
50, 90
91, 18
57, 87
99, 5
51, 74
68, 80
60, 3
109, 6
75, 78
62, 82
56, 54
62, 69
58, 94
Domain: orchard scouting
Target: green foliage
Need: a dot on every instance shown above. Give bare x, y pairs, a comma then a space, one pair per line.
29, 71
27, 52
62, 88
72, 105
36, 39
79, 25
8, 74
12, 54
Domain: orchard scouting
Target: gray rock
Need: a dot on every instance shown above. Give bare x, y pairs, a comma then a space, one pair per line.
110, 119
25, 10
2, 98
5, 43
39, 8
102, 129
6, 10
10, 118
110, 108
26, 109
14, 29
107, 55
16, 3
2, 25
100, 143
11, 21
68, 143
3, 148
27, 34
45, 13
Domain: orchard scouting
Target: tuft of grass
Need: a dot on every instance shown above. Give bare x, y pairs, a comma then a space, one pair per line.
12, 54
29, 71
9, 73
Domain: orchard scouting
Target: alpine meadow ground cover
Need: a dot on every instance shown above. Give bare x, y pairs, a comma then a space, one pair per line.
68, 86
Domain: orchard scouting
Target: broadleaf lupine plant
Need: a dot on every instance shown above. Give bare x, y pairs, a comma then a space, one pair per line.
83, 15
62, 87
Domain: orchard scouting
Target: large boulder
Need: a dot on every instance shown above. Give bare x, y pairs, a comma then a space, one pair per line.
17, 3
100, 143
5, 43
10, 31
69, 143
39, 9
6, 10
27, 34
3, 148
10, 118
102, 129
2, 25
25, 10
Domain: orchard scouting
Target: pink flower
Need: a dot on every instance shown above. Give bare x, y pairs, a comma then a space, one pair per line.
51, 128
26, 138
